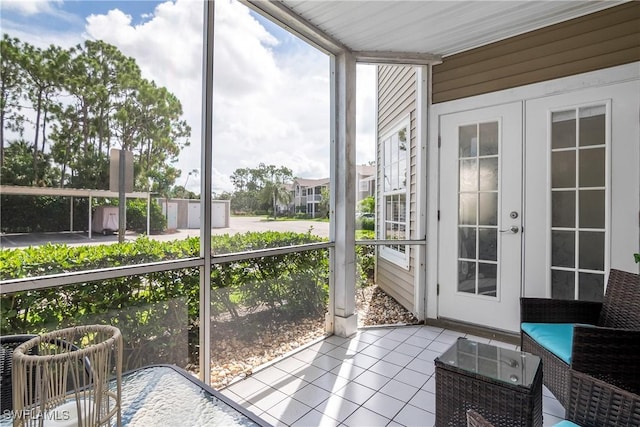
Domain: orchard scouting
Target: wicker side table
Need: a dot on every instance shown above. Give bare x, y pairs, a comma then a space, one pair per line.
504, 386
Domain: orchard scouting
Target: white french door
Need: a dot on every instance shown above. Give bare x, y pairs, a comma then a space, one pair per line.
582, 197
480, 240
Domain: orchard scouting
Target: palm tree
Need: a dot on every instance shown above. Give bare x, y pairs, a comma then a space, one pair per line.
276, 192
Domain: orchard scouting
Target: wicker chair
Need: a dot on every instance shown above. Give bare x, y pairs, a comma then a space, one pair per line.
594, 403
8, 343
609, 350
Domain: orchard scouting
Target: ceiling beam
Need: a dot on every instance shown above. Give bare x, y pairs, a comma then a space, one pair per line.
282, 15
397, 58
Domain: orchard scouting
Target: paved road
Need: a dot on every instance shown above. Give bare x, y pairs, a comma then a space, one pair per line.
237, 225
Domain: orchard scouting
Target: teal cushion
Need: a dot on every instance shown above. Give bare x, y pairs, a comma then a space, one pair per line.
565, 423
555, 337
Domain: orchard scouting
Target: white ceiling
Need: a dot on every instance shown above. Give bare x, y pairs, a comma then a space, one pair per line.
433, 27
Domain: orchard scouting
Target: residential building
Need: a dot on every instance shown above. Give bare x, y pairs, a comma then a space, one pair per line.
307, 195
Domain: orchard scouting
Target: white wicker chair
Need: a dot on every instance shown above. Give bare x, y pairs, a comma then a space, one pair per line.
67, 380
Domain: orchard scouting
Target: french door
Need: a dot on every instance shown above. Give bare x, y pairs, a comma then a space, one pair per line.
480, 240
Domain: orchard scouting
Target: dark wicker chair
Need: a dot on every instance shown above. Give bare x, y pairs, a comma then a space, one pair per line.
8, 343
609, 351
591, 403
594, 403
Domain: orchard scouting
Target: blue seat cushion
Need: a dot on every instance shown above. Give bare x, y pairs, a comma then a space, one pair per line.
555, 337
565, 423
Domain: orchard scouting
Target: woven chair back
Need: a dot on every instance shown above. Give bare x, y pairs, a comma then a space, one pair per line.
68, 378
621, 307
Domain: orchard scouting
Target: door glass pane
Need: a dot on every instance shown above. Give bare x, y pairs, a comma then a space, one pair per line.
468, 175
489, 174
467, 277
591, 287
562, 284
563, 169
487, 279
489, 139
467, 242
592, 204
591, 255
468, 140
562, 248
563, 129
478, 205
488, 244
580, 208
468, 204
592, 125
592, 167
488, 209
563, 209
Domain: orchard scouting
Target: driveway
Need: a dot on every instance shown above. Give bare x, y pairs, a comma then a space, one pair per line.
240, 224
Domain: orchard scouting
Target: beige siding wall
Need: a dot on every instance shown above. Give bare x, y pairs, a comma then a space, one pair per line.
600, 40
396, 101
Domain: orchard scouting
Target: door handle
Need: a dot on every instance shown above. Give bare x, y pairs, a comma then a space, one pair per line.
513, 229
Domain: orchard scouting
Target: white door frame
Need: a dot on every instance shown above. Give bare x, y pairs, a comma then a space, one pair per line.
623, 73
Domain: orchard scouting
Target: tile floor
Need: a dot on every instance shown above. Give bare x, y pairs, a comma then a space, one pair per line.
378, 377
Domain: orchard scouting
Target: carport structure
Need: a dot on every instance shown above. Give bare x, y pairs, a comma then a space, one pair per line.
17, 190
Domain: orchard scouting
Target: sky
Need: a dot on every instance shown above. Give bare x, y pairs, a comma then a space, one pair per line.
271, 90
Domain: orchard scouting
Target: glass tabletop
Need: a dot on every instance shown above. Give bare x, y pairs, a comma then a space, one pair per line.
164, 395
509, 366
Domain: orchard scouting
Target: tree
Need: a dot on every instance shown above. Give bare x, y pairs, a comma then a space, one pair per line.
18, 168
42, 69
87, 100
323, 205
179, 192
11, 86
260, 188
367, 205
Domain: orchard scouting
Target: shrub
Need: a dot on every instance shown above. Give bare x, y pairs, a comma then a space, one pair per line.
137, 216
366, 224
158, 313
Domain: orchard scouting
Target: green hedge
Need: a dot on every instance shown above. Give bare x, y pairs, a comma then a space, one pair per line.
158, 312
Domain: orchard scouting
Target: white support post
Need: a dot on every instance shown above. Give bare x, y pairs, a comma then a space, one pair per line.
342, 319
71, 214
205, 192
420, 229
90, 216
149, 213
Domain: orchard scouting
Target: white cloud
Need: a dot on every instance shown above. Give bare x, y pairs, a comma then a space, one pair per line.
271, 100
28, 7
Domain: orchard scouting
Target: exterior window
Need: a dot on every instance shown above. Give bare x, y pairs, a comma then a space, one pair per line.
578, 203
395, 200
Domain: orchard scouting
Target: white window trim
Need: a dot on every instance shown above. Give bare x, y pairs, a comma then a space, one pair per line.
396, 257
